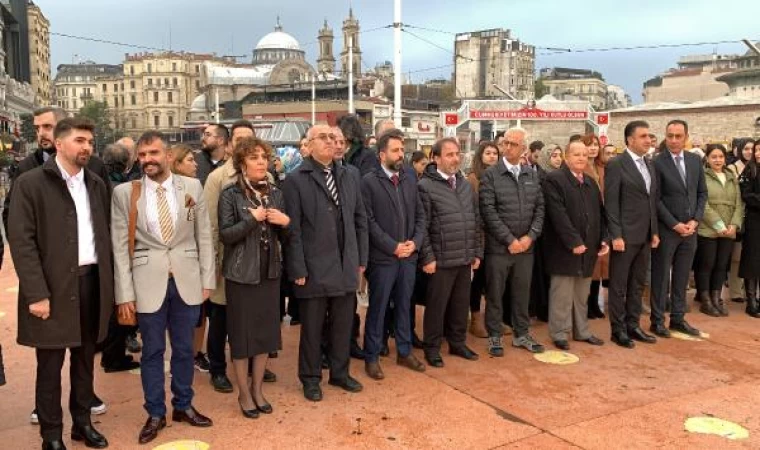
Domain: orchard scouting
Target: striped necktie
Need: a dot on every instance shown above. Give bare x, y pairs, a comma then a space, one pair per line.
165, 220
331, 188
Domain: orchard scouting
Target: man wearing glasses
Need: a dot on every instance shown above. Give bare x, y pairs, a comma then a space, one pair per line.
214, 141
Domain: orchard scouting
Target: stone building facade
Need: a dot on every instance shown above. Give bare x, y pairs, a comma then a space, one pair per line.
77, 84
39, 54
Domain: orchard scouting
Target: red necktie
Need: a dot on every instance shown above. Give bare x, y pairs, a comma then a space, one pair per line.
394, 179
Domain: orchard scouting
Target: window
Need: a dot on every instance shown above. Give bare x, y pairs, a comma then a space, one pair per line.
406, 122
74, 92
166, 82
155, 97
74, 104
150, 81
105, 102
169, 98
150, 68
197, 85
156, 121
132, 84
197, 68
115, 87
174, 82
105, 88
171, 121
134, 123
133, 99
122, 101
131, 70
174, 67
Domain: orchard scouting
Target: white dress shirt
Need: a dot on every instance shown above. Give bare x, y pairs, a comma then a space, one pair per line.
682, 163
85, 233
151, 199
390, 173
640, 163
446, 177
512, 167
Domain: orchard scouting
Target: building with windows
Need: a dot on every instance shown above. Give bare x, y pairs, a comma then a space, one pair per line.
39, 54
489, 61
16, 94
576, 84
77, 84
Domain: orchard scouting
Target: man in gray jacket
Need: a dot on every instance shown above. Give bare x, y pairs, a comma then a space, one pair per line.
512, 207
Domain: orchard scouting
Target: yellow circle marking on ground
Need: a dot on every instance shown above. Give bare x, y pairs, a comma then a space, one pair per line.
183, 445
167, 369
704, 335
2, 314
718, 427
684, 336
555, 357
13, 289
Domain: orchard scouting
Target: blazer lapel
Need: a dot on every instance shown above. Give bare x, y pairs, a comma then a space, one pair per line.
180, 221
671, 164
630, 166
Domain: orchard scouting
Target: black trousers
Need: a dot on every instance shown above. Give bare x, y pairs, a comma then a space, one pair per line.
81, 360
628, 275
217, 338
477, 287
115, 345
713, 263
671, 264
446, 308
339, 330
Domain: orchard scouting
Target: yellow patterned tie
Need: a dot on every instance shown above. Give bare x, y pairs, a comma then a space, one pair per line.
164, 215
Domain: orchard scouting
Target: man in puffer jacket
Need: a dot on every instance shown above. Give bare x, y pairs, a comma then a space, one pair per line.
451, 249
512, 208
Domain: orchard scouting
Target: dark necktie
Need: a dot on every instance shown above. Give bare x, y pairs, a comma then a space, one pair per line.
394, 179
331, 188
452, 182
681, 172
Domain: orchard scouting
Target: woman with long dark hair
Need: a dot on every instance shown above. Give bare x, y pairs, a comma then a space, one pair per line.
595, 170
749, 266
486, 156
743, 149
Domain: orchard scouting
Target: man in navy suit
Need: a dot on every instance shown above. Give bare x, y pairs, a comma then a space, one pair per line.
396, 222
681, 199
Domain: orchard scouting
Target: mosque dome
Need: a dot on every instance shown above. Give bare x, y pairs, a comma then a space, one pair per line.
278, 40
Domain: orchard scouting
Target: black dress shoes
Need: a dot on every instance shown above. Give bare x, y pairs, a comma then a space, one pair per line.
349, 384
410, 362
89, 435
249, 413
374, 370
151, 428
312, 392
356, 351
264, 408
622, 340
464, 352
593, 340
434, 360
562, 345
192, 417
684, 327
660, 330
221, 383
269, 376
126, 363
637, 334
53, 445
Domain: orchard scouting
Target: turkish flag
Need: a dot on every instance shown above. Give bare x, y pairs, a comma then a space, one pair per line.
452, 119
602, 119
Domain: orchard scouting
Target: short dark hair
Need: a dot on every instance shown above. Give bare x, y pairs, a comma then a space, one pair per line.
678, 122
59, 113
498, 135
384, 140
222, 131
438, 146
631, 128
116, 158
535, 146
242, 123
351, 128
574, 138
64, 127
418, 156
150, 136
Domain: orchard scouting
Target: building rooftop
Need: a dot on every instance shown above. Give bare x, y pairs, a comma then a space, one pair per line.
725, 101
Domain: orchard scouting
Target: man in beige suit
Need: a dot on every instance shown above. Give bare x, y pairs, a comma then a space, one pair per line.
164, 278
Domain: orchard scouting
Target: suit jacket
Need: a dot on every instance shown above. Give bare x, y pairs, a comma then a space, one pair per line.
189, 255
676, 202
312, 250
388, 207
631, 210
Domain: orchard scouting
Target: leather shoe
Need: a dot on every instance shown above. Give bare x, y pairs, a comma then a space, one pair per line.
464, 352
127, 363
89, 435
151, 428
53, 445
622, 340
410, 362
356, 351
637, 334
434, 360
192, 417
312, 392
269, 376
562, 345
221, 383
349, 384
249, 413
417, 342
684, 328
264, 408
373, 370
593, 340
660, 330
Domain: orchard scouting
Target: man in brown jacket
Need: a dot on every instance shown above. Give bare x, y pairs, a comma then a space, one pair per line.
61, 248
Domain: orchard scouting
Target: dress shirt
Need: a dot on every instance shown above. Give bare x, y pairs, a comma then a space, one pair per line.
682, 163
512, 167
151, 200
389, 173
640, 164
85, 232
446, 178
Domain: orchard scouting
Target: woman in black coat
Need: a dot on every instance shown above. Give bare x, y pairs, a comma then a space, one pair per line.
251, 223
749, 266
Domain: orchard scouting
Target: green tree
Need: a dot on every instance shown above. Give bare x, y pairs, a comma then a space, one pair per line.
539, 88
27, 128
101, 116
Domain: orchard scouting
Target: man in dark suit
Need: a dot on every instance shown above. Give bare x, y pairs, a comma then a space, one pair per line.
325, 255
681, 199
630, 199
396, 223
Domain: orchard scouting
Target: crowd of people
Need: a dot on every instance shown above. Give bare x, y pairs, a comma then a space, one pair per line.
220, 245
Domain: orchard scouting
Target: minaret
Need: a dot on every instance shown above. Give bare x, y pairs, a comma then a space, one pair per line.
326, 61
351, 30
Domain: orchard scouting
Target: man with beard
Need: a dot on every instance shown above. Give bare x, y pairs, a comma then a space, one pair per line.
164, 264
396, 224
45, 120
214, 153
61, 248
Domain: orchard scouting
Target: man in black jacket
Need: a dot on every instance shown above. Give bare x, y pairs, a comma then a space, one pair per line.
452, 248
325, 255
357, 154
396, 224
630, 193
215, 141
512, 207
574, 231
681, 200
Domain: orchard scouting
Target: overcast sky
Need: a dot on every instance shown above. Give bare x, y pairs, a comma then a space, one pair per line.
232, 27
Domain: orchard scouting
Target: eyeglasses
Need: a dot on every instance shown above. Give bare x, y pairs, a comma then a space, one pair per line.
506, 143
325, 137
207, 134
